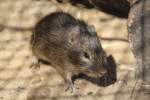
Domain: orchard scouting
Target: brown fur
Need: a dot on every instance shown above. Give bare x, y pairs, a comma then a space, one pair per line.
70, 45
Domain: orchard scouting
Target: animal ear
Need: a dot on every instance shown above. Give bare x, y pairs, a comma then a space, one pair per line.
91, 29
73, 36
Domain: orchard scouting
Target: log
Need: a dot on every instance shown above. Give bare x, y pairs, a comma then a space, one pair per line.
118, 8
139, 37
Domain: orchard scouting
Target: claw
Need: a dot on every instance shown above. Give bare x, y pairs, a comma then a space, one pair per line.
70, 87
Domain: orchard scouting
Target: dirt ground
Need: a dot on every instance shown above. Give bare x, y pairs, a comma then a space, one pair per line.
19, 82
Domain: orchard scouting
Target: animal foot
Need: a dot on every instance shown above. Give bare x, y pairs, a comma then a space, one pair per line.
71, 88
35, 63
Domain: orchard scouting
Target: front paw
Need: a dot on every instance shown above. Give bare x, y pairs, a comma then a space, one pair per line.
71, 87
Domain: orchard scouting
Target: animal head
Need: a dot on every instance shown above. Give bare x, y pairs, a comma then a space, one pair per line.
86, 51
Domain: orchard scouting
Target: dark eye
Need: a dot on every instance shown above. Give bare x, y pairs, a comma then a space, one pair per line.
86, 55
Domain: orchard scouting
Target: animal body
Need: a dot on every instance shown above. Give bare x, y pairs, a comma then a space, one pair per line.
69, 45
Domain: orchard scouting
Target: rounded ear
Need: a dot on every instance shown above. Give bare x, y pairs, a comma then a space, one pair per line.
73, 36
91, 29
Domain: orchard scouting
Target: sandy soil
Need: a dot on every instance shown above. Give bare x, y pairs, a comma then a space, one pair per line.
19, 82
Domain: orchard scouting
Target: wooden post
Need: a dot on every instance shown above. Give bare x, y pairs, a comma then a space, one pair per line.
139, 36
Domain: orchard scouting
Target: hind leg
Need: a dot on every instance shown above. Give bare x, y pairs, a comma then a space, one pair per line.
35, 63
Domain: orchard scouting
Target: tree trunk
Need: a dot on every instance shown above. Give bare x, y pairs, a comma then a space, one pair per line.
139, 37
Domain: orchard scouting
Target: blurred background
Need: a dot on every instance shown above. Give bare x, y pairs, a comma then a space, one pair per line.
19, 82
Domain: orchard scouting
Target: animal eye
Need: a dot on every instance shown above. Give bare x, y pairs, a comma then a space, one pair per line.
86, 55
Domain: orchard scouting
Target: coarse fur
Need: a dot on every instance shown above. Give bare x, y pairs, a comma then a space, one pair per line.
70, 45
